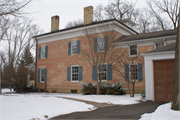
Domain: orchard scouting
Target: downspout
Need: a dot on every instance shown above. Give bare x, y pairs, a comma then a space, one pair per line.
36, 64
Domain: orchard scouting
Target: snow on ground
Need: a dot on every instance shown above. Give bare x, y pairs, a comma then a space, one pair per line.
28, 106
163, 112
114, 99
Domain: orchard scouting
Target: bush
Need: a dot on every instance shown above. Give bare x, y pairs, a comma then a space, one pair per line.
107, 89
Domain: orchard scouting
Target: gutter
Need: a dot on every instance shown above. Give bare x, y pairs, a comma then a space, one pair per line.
36, 63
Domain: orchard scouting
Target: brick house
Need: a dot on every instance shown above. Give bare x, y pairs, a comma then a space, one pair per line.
58, 68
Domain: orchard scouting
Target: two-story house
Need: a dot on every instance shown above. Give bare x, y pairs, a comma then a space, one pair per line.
58, 68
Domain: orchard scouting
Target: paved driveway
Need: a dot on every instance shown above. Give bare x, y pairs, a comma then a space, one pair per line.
116, 112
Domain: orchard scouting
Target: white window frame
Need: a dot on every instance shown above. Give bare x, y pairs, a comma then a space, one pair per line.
72, 47
103, 71
43, 47
99, 38
41, 72
155, 47
78, 73
130, 51
130, 72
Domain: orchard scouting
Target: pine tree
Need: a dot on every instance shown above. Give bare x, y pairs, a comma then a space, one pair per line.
27, 56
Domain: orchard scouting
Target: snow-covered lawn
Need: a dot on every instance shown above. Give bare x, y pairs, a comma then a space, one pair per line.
114, 99
28, 106
163, 112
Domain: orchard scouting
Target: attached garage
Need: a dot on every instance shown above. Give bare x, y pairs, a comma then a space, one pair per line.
159, 72
163, 79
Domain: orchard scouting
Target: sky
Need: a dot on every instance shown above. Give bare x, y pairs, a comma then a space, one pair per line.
41, 11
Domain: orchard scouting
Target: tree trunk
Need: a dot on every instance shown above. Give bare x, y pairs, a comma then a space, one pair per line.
133, 89
176, 91
98, 88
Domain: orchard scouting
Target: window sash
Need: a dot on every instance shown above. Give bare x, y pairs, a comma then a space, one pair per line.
101, 43
75, 73
74, 47
133, 72
43, 52
103, 72
159, 44
133, 50
42, 75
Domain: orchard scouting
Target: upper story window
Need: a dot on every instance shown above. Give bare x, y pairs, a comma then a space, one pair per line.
101, 43
103, 71
133, 50
159, 44
74, 47
43, 52
133, 73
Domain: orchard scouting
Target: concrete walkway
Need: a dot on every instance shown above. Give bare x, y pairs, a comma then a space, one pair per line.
98, 105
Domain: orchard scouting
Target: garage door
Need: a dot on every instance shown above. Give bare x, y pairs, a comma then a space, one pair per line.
163, 80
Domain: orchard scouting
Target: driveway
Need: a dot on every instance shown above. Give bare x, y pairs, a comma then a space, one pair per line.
115, 112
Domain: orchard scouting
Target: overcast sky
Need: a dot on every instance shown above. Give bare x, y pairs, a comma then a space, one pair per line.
68, 10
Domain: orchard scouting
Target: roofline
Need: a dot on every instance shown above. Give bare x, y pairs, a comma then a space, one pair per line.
157, 53
82, 26
144, 39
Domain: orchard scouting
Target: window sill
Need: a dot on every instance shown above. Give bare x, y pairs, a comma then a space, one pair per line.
42, 58
74, 82
133, 55
74, 55
41, 82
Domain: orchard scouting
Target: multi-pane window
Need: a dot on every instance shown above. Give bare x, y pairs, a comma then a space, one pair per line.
102, 71
159, 44
101, 43
75, 73
133, 50
43, 52
42, 75
133, 72
74, 47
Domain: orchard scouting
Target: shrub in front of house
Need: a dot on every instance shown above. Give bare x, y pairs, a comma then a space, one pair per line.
106, 89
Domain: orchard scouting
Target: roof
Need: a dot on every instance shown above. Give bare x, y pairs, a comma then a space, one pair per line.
146, 35
170, 47
85, 25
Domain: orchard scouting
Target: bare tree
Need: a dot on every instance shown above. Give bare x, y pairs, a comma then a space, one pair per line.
18, 35
12, 7
130, 69
164, 11
99, 13
176, 82
96, 50
74, 23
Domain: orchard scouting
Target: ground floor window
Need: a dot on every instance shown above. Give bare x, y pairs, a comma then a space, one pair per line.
75, 73
103, 71
133, 72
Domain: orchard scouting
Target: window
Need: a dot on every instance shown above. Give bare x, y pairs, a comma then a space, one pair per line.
101, 43
42, 75
159, 44
133, 72
133, 50
74, 47
75, 73
43, 52
102, 71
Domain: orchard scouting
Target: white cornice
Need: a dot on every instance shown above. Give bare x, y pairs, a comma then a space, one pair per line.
114, 25
158, 53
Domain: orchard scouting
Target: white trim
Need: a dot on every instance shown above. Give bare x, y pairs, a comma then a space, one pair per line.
78, 73
149, 74
61, 35
133, 55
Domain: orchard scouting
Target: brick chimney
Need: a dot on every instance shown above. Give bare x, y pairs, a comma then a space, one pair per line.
88, 14
54, 23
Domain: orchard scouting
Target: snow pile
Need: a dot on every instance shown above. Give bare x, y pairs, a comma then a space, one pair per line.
5, 90
29, 106
114, 99
163, 112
